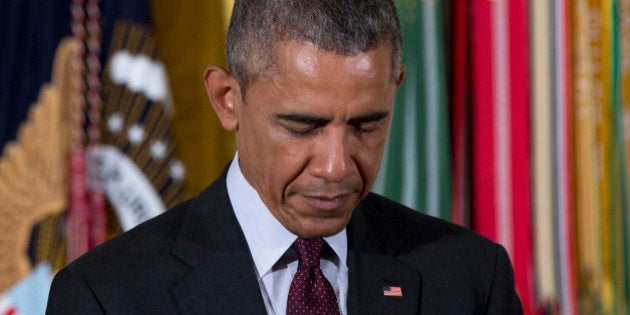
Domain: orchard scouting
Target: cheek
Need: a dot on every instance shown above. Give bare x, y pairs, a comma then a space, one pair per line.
288, 161
369, 157
369, 165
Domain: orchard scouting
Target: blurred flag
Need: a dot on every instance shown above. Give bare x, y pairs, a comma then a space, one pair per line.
416, 169
564, 213
587, 206
201, 27
33, 178
140, 167
601, 41
32, 127
134, 160
619, 273
30, 32
118, 129
623, 131
545, 238
30, 295
461, 109
501, 186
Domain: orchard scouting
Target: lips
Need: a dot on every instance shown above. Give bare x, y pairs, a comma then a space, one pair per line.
327, 203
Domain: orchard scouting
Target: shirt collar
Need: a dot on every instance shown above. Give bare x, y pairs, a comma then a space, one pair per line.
267, 238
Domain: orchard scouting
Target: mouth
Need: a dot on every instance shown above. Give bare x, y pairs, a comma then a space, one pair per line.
327, 203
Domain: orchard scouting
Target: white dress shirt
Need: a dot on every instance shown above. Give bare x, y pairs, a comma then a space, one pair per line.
271, 243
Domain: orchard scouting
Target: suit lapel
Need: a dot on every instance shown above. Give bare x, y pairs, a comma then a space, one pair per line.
222, 277
372, 245
225, 286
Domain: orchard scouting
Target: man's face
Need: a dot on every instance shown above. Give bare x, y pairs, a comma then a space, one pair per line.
312, 132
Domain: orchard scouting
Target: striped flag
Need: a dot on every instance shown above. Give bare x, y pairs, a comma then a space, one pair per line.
500, 147
587, 204
390, 290
619, 203
542, 135
461, 91
140, 165
416, 169
623, 130
602, 43
563, 157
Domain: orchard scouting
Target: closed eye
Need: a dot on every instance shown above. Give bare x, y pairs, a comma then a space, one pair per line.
301, 131
301, 125
368, 123
363, 128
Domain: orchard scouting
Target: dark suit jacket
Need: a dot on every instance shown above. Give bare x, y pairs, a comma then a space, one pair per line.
194, 259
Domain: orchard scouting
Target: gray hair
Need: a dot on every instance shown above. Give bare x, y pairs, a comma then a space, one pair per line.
347, 27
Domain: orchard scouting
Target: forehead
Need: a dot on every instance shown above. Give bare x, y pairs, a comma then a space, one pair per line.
305, 58
308, 80
301, 69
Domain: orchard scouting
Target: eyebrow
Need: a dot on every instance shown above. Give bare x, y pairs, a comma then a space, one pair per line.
317, 120
303, 118
368, 118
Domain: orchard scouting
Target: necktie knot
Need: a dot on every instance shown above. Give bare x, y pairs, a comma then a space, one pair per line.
310, 292
309, 251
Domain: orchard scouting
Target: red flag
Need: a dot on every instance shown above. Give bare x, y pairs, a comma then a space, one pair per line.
501, 133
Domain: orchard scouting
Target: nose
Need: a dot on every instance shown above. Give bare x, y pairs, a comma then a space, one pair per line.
333, 157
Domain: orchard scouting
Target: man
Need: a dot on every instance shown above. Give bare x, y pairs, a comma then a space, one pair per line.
290, 227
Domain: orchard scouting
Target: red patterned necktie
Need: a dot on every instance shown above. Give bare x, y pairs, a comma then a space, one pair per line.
310, 292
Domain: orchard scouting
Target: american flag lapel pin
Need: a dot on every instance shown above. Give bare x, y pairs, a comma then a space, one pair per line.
392, 290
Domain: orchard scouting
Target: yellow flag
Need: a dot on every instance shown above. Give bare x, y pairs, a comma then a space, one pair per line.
587, 188
191, 36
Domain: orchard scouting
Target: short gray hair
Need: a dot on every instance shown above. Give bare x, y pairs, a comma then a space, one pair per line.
347, 27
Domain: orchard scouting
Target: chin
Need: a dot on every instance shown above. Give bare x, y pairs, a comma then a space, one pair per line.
320, 229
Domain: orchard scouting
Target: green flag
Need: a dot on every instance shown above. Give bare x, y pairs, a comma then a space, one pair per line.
416, 169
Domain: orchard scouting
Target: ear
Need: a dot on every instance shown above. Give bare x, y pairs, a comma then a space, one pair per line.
224, 94
401, 76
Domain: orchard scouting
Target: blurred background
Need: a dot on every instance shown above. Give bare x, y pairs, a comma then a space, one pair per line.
512, 121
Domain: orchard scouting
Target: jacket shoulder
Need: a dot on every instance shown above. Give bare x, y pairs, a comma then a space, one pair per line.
122, 272
155, 235
419, 229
